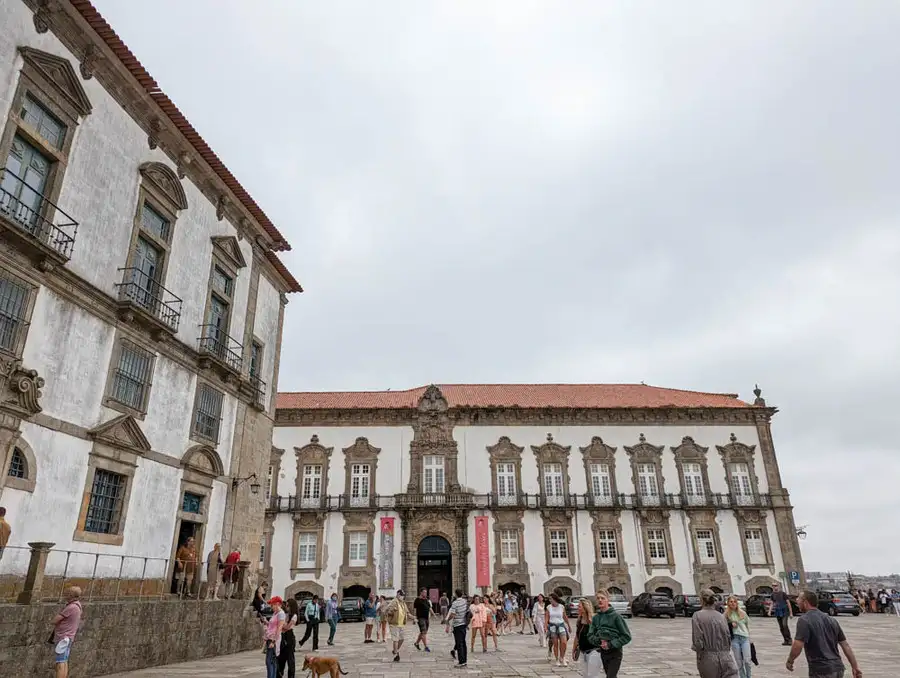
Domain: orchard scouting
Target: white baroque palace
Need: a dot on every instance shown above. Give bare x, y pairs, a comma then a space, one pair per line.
141, 309
628, 487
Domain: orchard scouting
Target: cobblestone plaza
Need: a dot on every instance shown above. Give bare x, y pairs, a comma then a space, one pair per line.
661, 647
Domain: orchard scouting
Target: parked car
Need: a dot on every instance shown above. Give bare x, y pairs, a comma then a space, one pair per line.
653, 605
351, 609
686, 606
619, 603
838, 602
758, 604
572, 606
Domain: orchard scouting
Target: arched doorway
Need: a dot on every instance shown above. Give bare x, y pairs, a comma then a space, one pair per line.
356, 591
616, 591
716, 589
665, 589
763, 590
513, 587
435, 570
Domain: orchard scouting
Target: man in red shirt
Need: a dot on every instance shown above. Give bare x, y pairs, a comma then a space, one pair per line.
65, 627
231, 573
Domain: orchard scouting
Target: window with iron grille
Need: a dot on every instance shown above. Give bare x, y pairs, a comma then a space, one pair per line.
132, 377
105, 503
208, 412
13, 307
18, 467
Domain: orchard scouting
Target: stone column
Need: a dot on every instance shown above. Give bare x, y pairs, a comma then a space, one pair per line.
34, 580
243, 586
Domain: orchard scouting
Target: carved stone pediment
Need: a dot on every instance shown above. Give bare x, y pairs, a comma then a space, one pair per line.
227, 246
166, 182
203, 459
21, 392
60, 72
361, 450
123, 432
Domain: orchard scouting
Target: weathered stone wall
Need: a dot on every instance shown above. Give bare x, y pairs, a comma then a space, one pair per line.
123, 636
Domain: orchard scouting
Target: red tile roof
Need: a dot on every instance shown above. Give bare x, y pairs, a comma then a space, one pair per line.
598, 396
145, 80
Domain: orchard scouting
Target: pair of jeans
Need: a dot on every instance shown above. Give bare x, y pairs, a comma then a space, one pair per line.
271, 662
312, 628
740, 648
785, 629
459, 643
332, 626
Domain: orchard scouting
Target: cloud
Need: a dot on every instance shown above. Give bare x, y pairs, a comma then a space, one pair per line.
696, 194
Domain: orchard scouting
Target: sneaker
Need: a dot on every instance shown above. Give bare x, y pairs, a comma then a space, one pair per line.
565, 662
453, 653
427, 649
397, 657
787, 642
559, 663
416, 645
461, 666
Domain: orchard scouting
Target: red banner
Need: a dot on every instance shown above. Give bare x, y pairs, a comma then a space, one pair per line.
482, 553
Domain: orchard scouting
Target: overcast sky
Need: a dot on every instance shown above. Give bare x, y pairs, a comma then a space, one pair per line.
700, 195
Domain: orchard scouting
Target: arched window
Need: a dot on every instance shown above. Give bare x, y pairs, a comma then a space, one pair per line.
18, 465
21, 473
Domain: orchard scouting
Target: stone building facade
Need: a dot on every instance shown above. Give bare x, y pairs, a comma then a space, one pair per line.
629, 487
141, 309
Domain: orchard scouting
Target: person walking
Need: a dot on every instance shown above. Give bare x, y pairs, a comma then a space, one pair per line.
711, 640
525, 605
445, 607
740, 636
274, 627
332, 616
558, 630
370, 612
312, 614
582, 646
213, 567
457, 618
870, 597
490, 620
895, 600
538, 612
782, 609
286, 656
381, 620
65, 627
186, 567
608, 635
5, 531
478, 612
395, 614
819, 637
423, 615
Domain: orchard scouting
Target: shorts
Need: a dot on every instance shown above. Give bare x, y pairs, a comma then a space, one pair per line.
397, 633
370, 621
557, 631
423, 624
62, 650
528, 614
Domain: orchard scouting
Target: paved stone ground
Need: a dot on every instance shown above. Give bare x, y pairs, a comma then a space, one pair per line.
660, 648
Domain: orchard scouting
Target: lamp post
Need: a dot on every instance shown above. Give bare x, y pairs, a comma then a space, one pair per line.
235, 483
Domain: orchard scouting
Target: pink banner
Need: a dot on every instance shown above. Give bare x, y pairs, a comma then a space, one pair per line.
482, 553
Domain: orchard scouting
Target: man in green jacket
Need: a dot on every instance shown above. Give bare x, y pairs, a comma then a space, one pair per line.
610, 633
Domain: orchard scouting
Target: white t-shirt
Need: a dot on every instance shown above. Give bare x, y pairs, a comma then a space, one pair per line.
557, 614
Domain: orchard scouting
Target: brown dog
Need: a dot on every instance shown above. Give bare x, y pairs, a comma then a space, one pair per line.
319, 666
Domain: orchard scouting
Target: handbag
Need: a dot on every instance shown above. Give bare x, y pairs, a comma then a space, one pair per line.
753, 654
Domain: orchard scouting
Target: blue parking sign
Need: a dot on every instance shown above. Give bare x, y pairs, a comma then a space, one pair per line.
795, 577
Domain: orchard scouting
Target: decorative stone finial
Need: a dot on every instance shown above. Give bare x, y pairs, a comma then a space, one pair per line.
315, 439
549, 437
642, 439
760, 401
732, 438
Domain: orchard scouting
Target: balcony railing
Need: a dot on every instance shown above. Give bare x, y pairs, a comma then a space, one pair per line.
443, 500
32, 214
215, 343
146, 294
259, 390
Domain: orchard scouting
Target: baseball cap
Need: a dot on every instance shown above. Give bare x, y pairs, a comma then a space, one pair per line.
275, 599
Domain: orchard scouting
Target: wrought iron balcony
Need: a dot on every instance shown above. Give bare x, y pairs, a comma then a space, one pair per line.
34, 220
334, 502
258, 388
138, 292
429, 499
214, 343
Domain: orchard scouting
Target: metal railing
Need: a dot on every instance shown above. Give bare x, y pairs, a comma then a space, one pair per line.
148, 294
259, 390
33, 214
214, 342
101, 576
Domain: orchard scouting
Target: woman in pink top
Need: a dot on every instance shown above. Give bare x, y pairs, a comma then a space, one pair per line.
479, 617
274, 627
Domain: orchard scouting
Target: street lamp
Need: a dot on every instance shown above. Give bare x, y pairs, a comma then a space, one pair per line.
801, 532
254, 486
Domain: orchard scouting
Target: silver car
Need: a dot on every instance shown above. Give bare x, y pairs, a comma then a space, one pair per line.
620, 604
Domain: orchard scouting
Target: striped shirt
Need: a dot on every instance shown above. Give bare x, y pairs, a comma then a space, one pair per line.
459, 608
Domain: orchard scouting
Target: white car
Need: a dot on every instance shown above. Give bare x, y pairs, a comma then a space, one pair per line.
620, 604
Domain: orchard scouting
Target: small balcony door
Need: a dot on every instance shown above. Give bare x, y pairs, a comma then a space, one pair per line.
24, 181
146, 273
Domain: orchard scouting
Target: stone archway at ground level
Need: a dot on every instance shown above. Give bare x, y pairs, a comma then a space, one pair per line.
621, 581
760, 584
304, 587
663, 585
569, 586
416, 525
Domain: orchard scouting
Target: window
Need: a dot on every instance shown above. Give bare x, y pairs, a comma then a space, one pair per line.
506, 483
132, 377
559, 547
359, 484
306, 551
553, 484
154, 223
706, 544
434, 474
647, 483
756, 550
359, 546
218, 316
18, 467
656, 546
208, 413
145, 272
509, 547
740, 483
105, 502
609, 552
270, 483
192, 503
693, 483
601, 484
40, 120
312, 481
15, 302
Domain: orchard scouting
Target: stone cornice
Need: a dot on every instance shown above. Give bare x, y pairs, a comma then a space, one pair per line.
531, 417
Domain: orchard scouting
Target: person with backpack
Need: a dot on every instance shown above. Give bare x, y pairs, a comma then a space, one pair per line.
607, 635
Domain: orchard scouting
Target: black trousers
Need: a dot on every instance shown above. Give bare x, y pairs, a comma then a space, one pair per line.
286, 659
612, 661
312, 629
459, 639
784, 628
